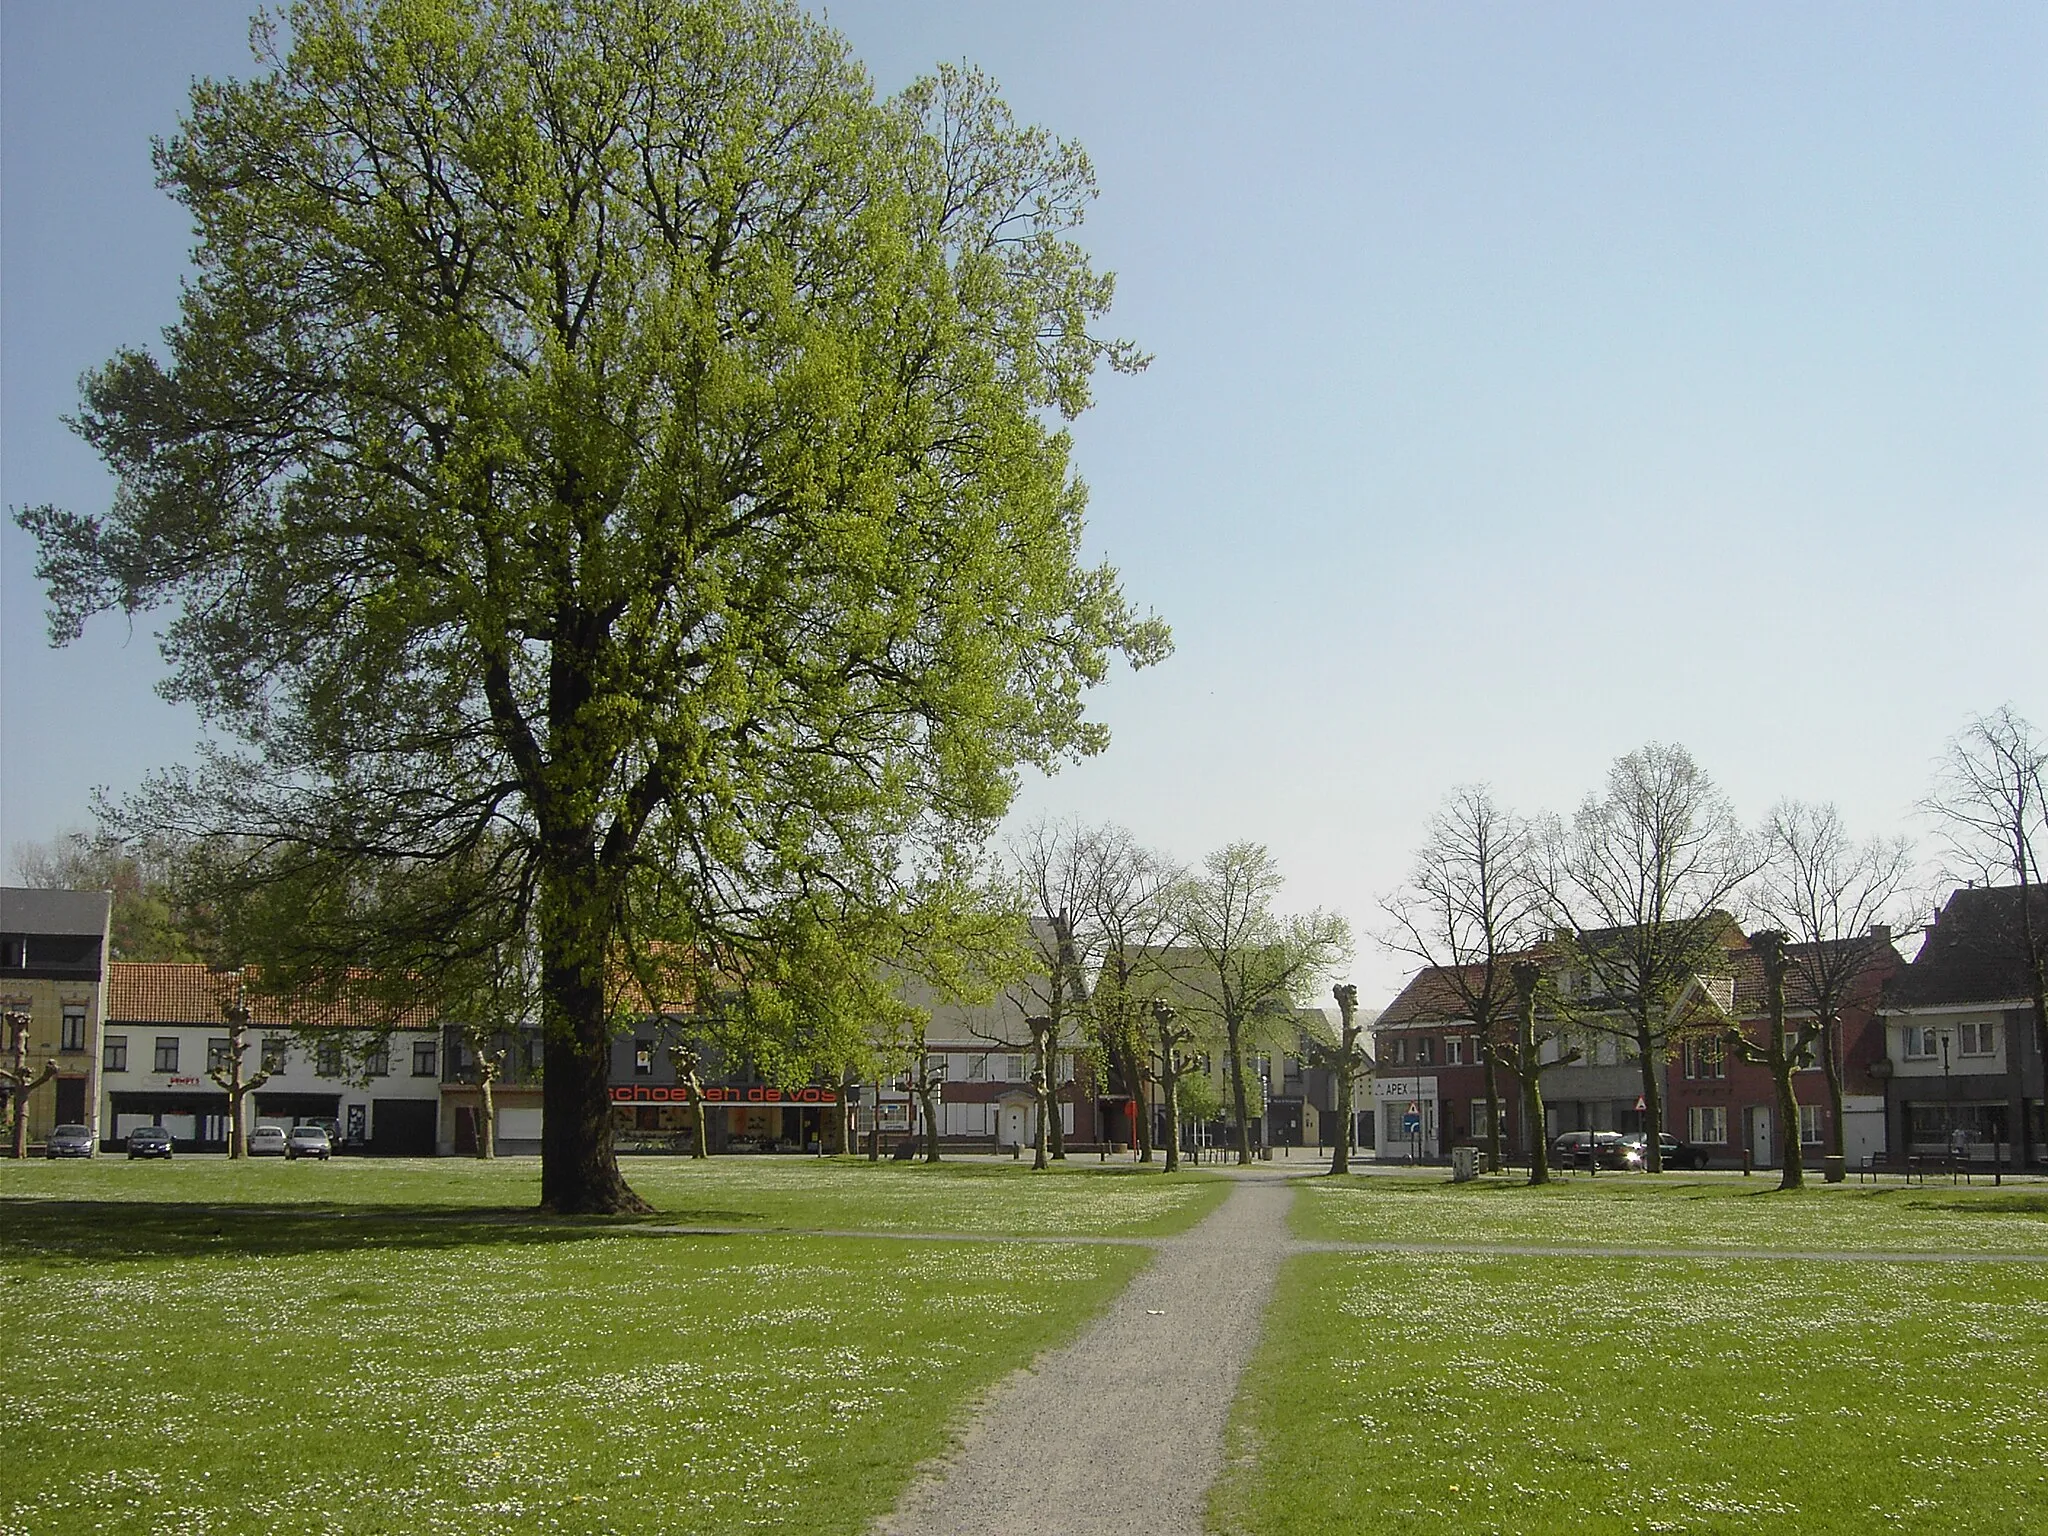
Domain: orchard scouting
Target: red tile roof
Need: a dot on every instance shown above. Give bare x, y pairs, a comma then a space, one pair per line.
147, 992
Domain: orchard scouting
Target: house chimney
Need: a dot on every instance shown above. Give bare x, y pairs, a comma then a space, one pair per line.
1882, 932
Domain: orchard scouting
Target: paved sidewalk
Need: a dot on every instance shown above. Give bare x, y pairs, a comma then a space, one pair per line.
1122, 1430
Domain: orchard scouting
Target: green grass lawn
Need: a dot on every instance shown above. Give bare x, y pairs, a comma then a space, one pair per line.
1439, 1394
371, 1347
1639, 1210
837, 1194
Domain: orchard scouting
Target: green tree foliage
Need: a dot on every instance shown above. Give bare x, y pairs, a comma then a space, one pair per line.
612, 438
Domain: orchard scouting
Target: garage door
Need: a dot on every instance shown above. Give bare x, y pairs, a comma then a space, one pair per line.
403, 1127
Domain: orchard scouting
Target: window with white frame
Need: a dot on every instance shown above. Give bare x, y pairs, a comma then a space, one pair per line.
1454, 1051
643, 1058
1707, 1124
935, 1068
1424, 1051
1810, 1124
1977, 1037
977, 1068
1013, 1069
1482, 1125
73, 1037
1919, 1042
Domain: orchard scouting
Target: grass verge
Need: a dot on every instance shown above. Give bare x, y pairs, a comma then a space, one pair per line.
1431, 1393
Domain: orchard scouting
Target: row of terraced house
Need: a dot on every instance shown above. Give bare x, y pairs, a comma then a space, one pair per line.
127, 1044
1938, 1057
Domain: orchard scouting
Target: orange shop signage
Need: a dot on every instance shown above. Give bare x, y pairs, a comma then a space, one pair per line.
757, 1093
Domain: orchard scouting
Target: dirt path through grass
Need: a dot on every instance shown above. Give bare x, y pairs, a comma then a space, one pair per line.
1122, 1430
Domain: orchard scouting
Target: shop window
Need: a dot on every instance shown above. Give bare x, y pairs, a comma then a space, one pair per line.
114, 1053
1974, 1037
167, 1053
643, 1058
276, 1052
327, 1058
73, 1037
425, 1058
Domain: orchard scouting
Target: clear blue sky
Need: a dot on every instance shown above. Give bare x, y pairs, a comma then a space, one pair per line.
1531, 382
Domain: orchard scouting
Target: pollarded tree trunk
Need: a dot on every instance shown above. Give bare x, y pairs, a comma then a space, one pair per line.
1831, 1073
20, 1082
927, 1099
230, 1080
488, 1065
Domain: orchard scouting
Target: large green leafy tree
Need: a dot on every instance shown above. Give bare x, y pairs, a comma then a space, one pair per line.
610, 438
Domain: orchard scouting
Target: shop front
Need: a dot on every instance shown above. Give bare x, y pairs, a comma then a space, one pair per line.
738, 1117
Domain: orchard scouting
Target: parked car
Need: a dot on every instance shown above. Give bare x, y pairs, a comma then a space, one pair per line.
308, 1141
1609, 1149
1676, 1153
69, 1141
267, 1141
149, 1141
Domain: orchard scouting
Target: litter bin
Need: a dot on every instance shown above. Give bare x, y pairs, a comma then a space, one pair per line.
1464, 1164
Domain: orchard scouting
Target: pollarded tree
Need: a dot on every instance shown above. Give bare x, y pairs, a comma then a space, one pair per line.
1834, 898
1475, 901
612, 432
1248, 964
1643, 877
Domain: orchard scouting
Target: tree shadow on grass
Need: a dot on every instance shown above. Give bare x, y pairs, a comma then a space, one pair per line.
102, 1231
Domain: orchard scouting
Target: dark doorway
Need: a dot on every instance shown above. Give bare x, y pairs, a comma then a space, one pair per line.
71, 1101
403, 1127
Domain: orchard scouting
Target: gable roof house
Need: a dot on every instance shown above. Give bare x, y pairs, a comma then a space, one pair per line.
1963, 1061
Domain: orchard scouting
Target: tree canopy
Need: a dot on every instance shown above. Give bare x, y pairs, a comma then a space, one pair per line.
608, 452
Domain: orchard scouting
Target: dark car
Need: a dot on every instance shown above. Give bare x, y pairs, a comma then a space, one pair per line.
1675, 1153
149, 1141
69, 1141
1609, 1149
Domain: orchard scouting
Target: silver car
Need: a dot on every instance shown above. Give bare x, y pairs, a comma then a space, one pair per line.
69, 1141
267, 1141
308, 1141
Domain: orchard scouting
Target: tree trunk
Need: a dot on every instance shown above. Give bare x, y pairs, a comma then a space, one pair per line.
1492, 1110
1340, 1158
579, 1171
487, 1107
931, 1119
1653, 1101
1526, 974
1243, 1131
1134, 1082
700, 1139
1169, 1083
1831, 1070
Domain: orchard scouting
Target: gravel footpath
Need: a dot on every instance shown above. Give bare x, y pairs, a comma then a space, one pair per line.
1122, 1430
